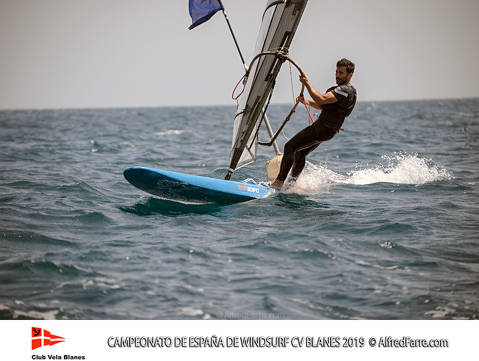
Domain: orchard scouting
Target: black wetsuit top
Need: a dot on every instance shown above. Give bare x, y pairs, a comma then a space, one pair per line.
332, 115
328, 124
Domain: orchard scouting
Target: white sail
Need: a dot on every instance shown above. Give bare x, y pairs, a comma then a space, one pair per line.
279, 23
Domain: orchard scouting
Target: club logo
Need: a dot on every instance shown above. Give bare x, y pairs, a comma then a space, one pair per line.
42, 337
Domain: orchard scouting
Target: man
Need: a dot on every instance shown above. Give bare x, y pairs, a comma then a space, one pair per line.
335, 105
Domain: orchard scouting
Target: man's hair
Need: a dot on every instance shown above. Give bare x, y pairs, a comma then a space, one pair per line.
348, 64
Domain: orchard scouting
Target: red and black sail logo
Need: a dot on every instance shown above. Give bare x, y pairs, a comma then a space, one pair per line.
41, 337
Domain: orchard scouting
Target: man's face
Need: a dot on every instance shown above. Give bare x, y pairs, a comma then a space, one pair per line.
342, 76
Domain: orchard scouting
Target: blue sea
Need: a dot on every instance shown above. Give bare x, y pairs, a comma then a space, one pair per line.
382, 224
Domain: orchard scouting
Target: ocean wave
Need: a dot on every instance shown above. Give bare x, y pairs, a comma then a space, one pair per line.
32, 237
41, 266
10, 313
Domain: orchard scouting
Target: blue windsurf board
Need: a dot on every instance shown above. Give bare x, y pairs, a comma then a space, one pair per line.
187, 188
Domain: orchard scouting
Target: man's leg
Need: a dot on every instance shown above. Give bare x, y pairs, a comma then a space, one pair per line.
304, 142
300, 160
304, 139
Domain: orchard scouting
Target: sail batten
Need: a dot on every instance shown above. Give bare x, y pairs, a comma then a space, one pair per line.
280, 21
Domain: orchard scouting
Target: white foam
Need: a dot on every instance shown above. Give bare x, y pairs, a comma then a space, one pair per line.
127, 144
441, 312
401, 169
190, 311
46, 315
396, 169
171, 132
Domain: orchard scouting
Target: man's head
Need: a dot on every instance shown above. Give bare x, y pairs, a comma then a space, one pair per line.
344, 71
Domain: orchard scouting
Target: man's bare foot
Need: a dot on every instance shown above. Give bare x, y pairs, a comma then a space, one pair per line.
277, 184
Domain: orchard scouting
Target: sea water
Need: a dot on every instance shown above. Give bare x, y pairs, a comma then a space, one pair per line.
382, 224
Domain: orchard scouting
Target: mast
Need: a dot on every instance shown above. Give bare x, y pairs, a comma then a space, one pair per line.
279, 24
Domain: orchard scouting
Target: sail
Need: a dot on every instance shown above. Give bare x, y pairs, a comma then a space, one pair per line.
279, 23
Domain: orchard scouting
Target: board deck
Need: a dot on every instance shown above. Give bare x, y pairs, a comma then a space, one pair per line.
187, 188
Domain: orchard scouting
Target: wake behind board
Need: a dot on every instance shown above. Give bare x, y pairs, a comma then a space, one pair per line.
187, 188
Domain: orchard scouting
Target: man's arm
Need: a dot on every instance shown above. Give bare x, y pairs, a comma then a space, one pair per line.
309, 102
318, 98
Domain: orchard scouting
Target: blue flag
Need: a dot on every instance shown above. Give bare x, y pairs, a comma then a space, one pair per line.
203, 10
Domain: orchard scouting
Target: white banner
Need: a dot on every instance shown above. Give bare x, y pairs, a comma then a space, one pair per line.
235, 340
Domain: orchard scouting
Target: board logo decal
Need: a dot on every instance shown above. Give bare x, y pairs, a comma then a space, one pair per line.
248, 189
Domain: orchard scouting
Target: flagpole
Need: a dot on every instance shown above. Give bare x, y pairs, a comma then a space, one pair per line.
233, 35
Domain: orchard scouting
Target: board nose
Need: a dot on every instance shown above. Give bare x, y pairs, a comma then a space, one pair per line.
129, 173
135, 174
